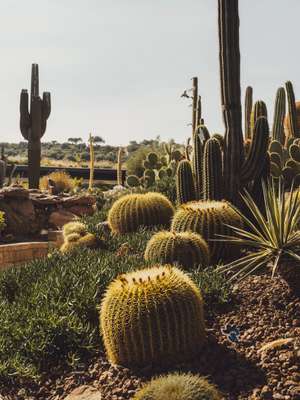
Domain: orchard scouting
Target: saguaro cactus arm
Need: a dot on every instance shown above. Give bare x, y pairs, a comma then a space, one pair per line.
25, 121
248, 109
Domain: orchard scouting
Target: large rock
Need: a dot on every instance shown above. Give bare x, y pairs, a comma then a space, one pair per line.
84, 393
60, 217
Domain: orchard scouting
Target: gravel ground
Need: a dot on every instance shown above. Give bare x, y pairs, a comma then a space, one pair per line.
263, 364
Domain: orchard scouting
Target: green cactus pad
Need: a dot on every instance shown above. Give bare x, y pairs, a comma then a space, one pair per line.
153, 316
276, 147
152, 158
275, 170
135, 210
185, 248
176, 155
276, 159
295, 152
178, 387
133, 181
209, 219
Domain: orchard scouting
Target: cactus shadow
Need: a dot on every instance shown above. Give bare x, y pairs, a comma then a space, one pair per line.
224, 366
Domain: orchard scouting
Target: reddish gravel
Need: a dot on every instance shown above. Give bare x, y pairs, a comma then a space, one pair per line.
264, 310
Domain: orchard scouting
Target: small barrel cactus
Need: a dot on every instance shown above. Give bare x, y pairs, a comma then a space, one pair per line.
76, 235
178, 386
153, 316
209, 219
135, 210
133, 181
185, 248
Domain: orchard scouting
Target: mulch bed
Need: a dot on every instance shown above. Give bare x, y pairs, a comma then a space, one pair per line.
264, 310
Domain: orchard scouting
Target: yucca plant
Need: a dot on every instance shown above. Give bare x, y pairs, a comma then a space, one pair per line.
273, 238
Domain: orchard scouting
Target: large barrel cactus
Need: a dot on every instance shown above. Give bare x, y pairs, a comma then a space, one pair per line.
135, 210
185, 248
152, 317
178, 386
209, 219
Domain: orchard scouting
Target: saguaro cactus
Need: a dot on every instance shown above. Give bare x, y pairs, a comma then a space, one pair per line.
248, 109
33, 124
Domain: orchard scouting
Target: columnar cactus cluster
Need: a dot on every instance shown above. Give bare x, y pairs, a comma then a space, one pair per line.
33, 122
152, 316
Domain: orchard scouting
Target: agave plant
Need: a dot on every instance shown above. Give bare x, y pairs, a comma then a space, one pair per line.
273, 238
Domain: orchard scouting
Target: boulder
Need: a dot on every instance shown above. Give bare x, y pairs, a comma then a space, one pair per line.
60, 217
84, 393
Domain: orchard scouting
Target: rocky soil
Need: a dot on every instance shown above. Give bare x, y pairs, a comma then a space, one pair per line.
263, 364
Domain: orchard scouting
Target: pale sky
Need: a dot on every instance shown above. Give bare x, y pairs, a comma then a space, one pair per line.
118, 67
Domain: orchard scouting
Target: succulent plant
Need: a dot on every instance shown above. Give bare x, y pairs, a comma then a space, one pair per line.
248, 110
178, 386
279, 114
259, 110
292, 124
212, 170
209, 219
135, 210
152, 316
76, 235
185, 182
185, 248
33, 124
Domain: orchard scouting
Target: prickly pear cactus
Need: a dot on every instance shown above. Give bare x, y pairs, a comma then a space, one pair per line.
152, 316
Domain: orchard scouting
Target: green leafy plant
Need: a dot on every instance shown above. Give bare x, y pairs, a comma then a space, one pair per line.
273, 239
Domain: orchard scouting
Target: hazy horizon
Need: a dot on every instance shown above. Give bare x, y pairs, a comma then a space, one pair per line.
117, 69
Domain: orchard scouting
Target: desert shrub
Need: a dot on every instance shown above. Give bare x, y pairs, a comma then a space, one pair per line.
62, 182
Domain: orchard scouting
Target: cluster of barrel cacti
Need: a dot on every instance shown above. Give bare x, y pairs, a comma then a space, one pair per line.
75, 235
156, 167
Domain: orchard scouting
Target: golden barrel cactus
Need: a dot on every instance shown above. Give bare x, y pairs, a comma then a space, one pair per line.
209, 219
76, 235
136, 210
153, 316
185, 248
178, 386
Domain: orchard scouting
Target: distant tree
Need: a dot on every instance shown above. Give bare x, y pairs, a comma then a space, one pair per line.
98, 139
75, 140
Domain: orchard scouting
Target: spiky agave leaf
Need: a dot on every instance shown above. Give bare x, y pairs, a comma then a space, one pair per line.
271, 237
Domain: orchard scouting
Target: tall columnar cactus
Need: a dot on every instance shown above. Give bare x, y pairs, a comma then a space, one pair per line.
212, 170
177, 386
194, 105
185, 248
229, 56
259, 110
254, 163
136, 210
293, 130
199, 111
185, 182
209, 219
152, 316
279, 114
197, 165
248, 110
33, 124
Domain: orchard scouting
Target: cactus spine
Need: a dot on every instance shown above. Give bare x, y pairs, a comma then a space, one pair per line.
209, 219
213, 170
152, 316
136, 210
178, 386
185, 248
185, 182
279, 114
33, 124
248, 110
